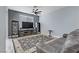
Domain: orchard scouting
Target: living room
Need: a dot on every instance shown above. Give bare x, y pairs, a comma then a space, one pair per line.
46, 25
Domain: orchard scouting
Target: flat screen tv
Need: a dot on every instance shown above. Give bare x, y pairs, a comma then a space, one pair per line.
27, 24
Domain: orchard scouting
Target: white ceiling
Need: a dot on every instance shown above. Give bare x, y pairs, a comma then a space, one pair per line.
48, 9
28, 9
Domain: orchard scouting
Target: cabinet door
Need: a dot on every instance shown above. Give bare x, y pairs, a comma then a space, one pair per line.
15, 27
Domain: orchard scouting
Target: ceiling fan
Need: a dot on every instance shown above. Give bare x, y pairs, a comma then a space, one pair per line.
36, 11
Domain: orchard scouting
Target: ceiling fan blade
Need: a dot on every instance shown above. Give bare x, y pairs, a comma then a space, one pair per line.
36, 10
39, 11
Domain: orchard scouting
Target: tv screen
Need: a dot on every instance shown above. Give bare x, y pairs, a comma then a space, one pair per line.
27, 25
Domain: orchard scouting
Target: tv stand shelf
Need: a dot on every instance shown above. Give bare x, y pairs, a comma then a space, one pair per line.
26, 29
25, 32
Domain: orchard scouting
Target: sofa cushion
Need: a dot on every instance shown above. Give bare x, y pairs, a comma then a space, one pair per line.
72, 42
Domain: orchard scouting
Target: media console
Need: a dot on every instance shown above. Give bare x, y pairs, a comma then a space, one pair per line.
25, 32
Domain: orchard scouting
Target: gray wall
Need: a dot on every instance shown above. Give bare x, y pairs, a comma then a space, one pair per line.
21, 17
3, 28
25, 9
61, 21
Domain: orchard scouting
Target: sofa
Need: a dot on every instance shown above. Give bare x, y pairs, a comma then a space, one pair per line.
69, 44
72, 42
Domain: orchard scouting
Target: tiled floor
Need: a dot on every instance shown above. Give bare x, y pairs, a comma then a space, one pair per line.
9, 46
